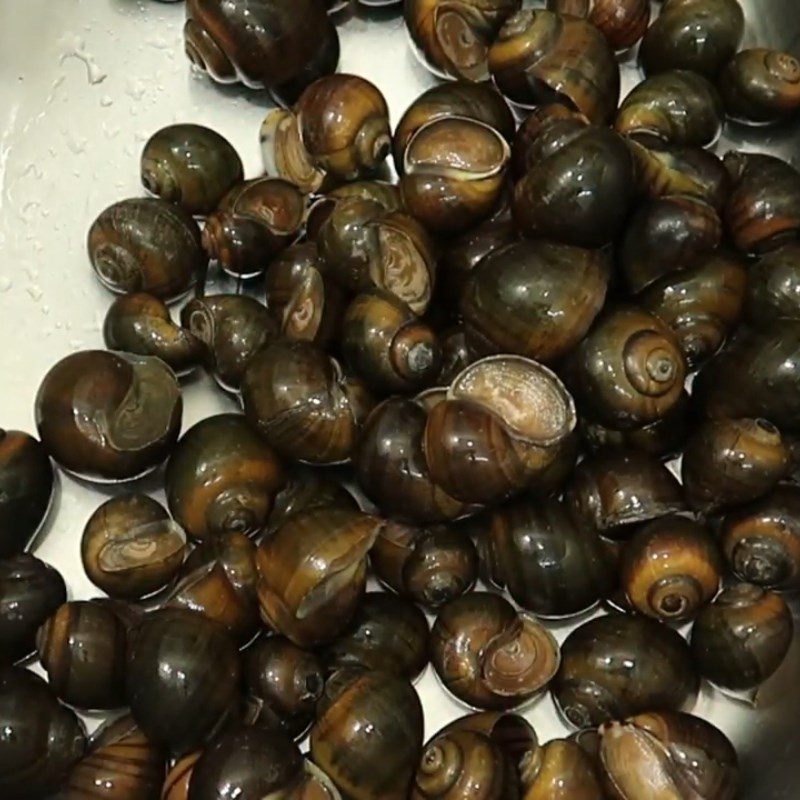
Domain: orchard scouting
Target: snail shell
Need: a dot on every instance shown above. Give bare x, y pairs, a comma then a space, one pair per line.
511, 732
130, 547
190, 165
490, 656
176, 783
621, 664
140, 323
529, 59
622, 22
221, 478
678, 106
231, 328
671, 568
456, 354
299, 400
628, 371
306, 489
773, 287
109, 416
760, 86
560, 767
312, 573
146, 245
454, 37
534, 298
505, 420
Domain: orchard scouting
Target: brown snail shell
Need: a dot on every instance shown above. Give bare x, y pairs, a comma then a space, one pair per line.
301, 297
368, 734
678, 106
453, 173
760, 86
761, 540
701, 305
428, 565
511, 732
176, 783
667, 751
298, 398
731, 461
140, 323
456, 354
622, 22
253, 222
454, 37
504, 421
559, 767
671, 568
364, 246
222, 477
146, 245
130, 547
231, 328
628, 371
109, 416
763, 210
312, 572
490, 656
385, 343
529, 58
534, 298
773, 287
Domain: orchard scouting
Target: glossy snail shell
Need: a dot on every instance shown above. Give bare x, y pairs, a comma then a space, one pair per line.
559, 767
773, 287
622, 22
306, 489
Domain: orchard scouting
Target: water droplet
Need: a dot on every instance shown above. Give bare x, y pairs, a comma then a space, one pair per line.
106, 101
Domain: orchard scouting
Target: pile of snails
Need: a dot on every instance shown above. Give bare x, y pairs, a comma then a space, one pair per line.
466, 384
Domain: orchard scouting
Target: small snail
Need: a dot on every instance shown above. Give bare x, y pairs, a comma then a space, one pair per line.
222, 477
130, 547
26, 490
306, 489
671, 568
190, 165
146, 245
559, 767
622, 664
312, 573
109, 417
622, 22
230, 329
140, 323
511, 732
490, 656
773, 287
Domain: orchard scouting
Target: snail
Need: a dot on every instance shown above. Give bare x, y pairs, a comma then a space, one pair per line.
489, 655
312, 573
221, 478
671, 568
622, 22
551, 563
628, 371
559, 767
511, 732
453, 173
26, 490
616, 489
534, 298
253, 222
456, 354
701, 304
140, 323
108, 417
667, 751
761, 540
146, 245
667, 235
176, 783
504, 421
30, 592
368, 734
364, 246
732, 461
338, 130
763, 209
190, 165
760, 86
306, 489
283, 683
773, 287
42, 739
298, 398
677, 106
622, 664
454, 38
428, 565
528, 61
130, 547
230, 329
182, 678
